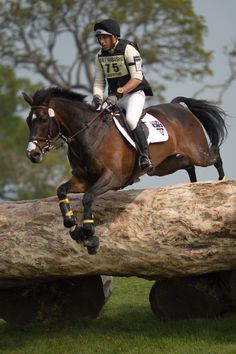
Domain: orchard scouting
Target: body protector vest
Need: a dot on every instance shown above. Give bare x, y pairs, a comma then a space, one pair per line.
116, 69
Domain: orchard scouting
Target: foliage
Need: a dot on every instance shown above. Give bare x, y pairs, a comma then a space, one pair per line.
169, 33
126, 325
19, 179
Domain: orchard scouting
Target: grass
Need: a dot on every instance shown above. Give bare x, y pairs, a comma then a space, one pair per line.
126, 325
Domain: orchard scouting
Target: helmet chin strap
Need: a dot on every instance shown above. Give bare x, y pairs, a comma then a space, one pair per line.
114, 45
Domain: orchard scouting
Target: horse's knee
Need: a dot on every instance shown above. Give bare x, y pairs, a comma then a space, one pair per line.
62, 190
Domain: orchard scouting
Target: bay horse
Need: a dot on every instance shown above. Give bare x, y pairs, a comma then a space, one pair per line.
102, 159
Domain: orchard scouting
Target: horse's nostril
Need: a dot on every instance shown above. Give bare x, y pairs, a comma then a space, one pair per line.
35, 156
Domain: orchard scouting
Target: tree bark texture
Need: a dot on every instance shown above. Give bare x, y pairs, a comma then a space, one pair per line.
172, 231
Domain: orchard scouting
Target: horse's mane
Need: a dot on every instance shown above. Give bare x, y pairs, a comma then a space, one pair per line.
43, 95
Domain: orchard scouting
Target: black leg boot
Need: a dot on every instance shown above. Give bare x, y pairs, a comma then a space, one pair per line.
141, 141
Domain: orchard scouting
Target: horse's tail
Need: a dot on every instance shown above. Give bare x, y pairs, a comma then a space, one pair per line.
212, 118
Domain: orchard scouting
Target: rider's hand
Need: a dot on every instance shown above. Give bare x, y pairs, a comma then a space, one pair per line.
115, 96
96, 102
112, 100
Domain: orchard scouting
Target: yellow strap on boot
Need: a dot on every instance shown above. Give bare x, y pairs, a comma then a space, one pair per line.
66, 201
88, 221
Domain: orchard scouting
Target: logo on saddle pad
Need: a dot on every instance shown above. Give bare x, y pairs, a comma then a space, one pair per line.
156, 131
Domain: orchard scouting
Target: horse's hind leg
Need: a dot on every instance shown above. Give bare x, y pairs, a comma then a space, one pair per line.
216, 160
191, 173
219, 166
174, 163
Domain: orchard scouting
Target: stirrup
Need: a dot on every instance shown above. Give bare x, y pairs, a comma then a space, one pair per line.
146, 164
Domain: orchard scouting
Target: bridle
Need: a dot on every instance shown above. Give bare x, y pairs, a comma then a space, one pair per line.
51, 142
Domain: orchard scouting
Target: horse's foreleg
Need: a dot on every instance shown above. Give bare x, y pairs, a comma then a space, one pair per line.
64, 203
74, 185
77, 232
105, 183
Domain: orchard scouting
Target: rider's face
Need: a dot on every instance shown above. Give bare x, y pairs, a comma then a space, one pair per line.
107, 42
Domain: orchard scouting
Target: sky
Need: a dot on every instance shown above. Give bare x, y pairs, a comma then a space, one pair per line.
220, 20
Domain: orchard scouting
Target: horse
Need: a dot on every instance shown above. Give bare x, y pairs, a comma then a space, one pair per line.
102, 159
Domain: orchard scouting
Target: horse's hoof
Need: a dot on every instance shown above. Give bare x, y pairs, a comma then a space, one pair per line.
92, 250
92, 244
78, 234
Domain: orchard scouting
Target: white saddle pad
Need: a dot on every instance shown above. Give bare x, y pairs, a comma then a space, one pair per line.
156, 130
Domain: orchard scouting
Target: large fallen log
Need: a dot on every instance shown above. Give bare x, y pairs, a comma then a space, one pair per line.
171, 231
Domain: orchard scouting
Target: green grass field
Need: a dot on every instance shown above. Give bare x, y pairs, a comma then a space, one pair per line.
126, 325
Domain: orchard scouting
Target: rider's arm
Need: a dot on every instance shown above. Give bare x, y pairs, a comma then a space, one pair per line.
134, 62
99, 82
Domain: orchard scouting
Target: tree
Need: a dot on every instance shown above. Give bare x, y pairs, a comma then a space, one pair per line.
220, 89
19, 179
169, 33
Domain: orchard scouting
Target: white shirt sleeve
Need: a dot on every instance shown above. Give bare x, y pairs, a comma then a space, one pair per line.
134, 62
99, 81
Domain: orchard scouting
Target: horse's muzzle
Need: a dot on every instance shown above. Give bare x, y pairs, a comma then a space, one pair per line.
35, 156
34, 153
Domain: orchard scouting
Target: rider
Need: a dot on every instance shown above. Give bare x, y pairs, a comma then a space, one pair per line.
119, 62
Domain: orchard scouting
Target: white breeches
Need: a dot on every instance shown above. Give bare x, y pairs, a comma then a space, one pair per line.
133, 104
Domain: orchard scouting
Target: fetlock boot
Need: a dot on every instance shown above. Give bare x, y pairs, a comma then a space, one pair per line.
141, 141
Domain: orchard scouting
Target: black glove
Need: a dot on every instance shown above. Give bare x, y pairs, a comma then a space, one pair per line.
112, 100
96, 102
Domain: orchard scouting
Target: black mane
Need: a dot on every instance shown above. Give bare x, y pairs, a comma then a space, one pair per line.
44, 95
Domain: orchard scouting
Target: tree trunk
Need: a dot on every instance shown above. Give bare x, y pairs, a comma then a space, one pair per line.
172, 231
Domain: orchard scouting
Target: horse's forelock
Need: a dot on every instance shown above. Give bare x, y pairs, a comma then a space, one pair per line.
40, 97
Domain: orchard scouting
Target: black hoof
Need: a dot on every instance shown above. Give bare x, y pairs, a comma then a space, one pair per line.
92, 244
92, 250
78, 234
69, 221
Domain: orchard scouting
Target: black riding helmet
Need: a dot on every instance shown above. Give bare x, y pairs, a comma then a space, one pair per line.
108, 26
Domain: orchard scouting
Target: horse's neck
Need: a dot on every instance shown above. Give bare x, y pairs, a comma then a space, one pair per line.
87, 128
73, 118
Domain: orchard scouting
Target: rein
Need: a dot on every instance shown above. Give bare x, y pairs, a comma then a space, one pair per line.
87, 125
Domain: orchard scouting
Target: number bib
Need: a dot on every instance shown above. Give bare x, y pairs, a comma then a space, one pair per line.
113, 66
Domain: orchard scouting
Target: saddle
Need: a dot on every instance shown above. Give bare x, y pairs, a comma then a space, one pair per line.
154, 130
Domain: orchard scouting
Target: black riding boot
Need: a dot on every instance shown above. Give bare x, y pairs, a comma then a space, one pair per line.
141, 141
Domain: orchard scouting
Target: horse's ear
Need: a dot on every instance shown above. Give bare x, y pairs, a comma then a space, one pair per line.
27, 98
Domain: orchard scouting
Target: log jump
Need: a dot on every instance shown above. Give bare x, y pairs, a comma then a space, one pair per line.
171, 232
